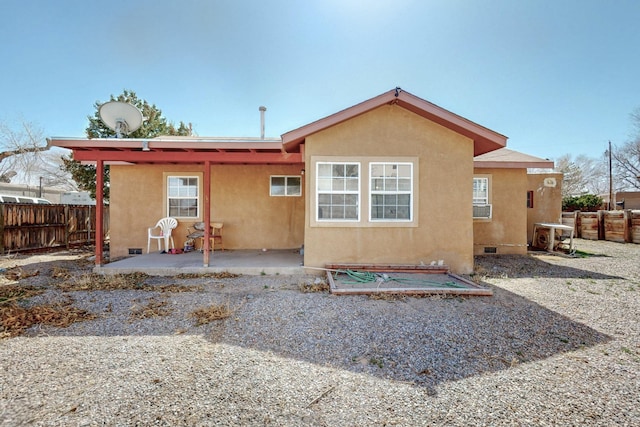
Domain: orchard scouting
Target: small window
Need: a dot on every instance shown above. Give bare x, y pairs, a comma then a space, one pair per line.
338, 191
530, 199
391, 191
482, 209
182, 197
480, 191
286, 186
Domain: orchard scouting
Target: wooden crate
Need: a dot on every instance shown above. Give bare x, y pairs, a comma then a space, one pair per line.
589, 225
615, 226
635, 226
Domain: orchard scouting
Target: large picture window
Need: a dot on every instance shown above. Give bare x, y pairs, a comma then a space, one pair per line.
391, 191
182, 196
338, 191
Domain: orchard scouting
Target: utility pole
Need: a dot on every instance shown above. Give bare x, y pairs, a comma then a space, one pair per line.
610, 180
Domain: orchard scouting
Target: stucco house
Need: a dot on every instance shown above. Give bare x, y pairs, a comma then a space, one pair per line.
392, 180
509, 188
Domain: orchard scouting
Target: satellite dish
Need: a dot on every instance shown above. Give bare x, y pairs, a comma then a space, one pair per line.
121, 117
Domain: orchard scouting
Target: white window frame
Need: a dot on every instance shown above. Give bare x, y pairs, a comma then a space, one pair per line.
391, 191
482, 200
322, 182
197, 197
288, 190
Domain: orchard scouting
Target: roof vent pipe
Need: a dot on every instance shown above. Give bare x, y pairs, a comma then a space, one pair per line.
262, 110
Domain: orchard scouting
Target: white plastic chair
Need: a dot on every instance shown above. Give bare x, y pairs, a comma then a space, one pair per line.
162, 231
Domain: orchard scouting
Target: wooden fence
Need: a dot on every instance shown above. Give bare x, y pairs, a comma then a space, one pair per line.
35, 227
616, 226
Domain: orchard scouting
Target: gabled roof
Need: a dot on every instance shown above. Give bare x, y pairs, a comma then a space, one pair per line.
285, 150
506, 158
484, 139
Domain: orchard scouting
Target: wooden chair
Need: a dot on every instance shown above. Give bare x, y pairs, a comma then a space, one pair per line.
162, 231
215, 234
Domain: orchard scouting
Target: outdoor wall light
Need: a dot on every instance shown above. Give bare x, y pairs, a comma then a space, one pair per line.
145, 146
301, 171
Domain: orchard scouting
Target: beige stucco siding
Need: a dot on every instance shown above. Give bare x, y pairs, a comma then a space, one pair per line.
441, 228
135, 204
252, 218
547, 200
506, 230
239, 198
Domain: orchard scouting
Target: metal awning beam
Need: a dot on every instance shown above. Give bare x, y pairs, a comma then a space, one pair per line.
187, 157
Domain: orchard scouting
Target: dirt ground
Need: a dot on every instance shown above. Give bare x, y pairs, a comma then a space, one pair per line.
556, 344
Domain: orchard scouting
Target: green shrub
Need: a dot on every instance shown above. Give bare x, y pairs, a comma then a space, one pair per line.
584, 203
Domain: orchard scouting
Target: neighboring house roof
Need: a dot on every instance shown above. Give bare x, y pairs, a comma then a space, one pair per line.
484, 139
506, 158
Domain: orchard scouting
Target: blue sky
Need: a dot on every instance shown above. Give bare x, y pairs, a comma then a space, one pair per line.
556, 77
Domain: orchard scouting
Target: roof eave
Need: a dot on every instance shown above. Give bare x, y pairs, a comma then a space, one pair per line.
182, 150
510, 159
165, 143
512, 165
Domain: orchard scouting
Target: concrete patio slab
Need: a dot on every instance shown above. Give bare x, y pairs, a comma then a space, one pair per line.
249, 262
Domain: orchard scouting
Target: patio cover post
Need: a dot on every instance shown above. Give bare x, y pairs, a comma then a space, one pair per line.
99, 211
207, 211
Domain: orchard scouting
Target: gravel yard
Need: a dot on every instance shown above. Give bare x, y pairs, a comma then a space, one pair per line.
557, 344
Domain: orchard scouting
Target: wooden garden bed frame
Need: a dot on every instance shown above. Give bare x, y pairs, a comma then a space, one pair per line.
470, 289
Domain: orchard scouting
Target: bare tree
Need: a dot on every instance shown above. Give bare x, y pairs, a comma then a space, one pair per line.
21, 151
53, 172
43, 168
573, 181
585, 175
626, 158
595, 172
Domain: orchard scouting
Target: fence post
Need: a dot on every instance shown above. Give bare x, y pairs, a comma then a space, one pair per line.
2, 229
578, 223
600, 216
626, 216
67, 232
89, 225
